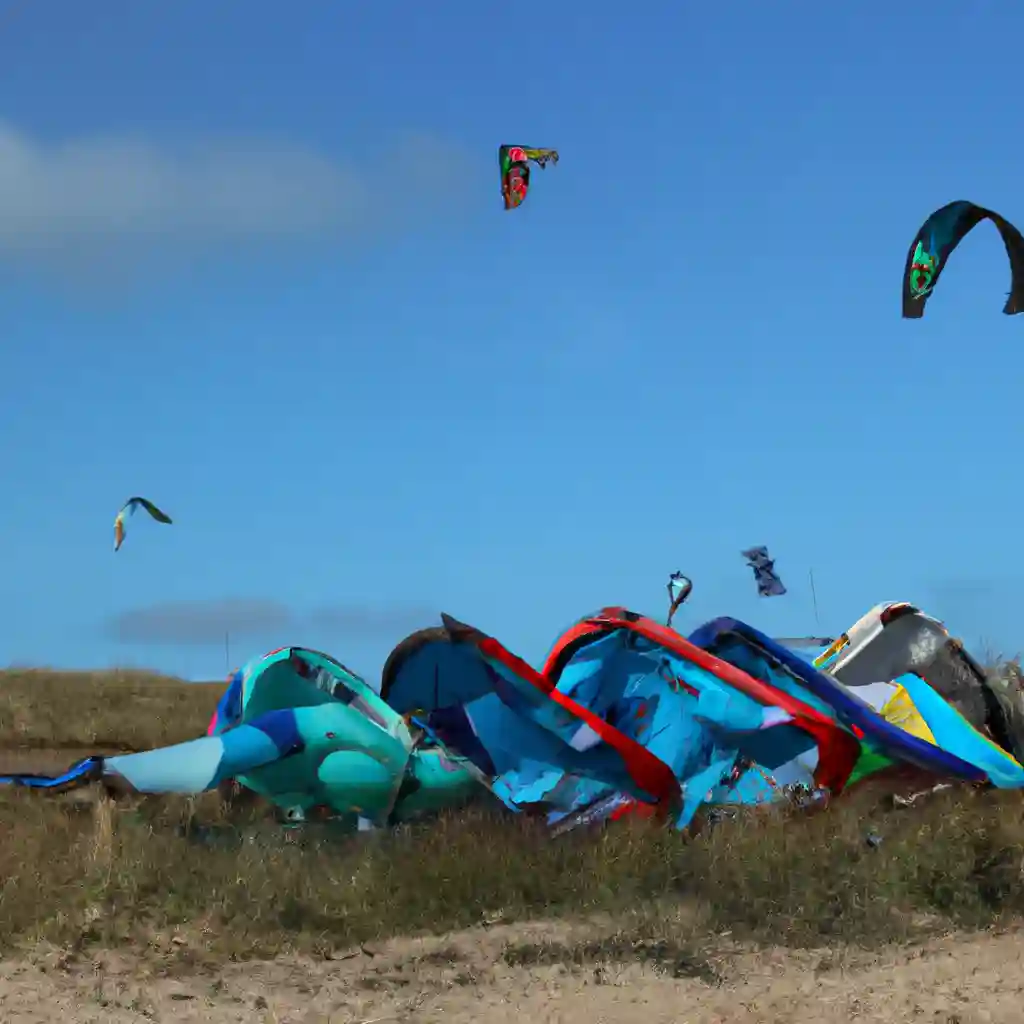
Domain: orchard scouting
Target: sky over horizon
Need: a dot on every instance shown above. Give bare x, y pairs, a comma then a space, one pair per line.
254, 266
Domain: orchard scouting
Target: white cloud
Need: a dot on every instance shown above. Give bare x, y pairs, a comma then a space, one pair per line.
117, 197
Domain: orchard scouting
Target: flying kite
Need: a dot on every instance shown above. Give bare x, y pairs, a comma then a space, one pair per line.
128, 509
768, 582
934, 243
679, 587
515, 170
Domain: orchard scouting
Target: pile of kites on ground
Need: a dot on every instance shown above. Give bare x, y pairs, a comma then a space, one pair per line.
625, 717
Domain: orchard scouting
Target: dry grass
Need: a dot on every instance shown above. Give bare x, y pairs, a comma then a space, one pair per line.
100, 873
122, 710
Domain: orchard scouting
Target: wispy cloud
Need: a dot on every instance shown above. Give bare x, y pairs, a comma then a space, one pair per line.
360, 618
202, 623
122, 198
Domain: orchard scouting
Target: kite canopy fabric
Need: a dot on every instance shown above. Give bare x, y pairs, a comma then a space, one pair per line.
679, 589
515, 171
935, 241
894, 638
298, 728
714, 722
542, 749
128, 509
765, 576
742, 644
625, 711
427, 670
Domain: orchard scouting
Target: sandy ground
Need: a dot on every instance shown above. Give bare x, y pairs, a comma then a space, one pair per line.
463, 979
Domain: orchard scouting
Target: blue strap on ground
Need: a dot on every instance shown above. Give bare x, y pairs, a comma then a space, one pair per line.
81, 773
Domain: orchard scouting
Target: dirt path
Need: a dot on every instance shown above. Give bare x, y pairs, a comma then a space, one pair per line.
463, 979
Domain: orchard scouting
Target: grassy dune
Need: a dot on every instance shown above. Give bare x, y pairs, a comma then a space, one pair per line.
205, 879
121, 710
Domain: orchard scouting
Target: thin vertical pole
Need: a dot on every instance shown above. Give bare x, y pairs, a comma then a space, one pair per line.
814, 598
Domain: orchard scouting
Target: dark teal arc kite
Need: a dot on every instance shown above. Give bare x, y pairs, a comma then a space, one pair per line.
934, 243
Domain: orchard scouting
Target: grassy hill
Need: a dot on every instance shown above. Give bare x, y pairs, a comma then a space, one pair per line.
120, 710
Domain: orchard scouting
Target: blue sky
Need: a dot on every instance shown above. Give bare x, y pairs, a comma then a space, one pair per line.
254, 265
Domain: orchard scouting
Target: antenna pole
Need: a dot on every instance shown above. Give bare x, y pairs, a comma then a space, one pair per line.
814, 598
